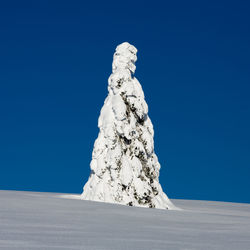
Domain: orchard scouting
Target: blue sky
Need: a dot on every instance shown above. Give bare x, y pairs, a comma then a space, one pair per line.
193, 64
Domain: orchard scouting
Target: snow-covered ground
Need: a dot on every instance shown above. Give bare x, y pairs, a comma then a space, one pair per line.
30, 220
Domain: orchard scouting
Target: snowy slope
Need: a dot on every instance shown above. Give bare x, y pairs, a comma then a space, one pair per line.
31, 220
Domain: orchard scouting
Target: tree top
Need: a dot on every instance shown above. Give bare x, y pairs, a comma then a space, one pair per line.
124, 58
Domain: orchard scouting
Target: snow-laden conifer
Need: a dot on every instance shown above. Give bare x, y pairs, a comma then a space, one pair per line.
124, 167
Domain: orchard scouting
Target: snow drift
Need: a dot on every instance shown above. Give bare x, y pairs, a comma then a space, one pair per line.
34, 221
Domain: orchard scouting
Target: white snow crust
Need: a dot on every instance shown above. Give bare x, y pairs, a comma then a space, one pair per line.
34, 221
124, 167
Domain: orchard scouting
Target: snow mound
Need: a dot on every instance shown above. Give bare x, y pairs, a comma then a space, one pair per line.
34, 221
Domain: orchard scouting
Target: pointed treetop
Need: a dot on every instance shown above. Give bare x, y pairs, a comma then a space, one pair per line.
124, 58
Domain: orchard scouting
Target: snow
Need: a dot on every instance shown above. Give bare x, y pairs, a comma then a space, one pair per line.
124, 166
30, 220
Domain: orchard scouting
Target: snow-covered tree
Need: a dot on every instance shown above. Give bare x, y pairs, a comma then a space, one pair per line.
124, 167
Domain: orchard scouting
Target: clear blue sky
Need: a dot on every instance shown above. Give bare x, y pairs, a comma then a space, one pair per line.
194, 67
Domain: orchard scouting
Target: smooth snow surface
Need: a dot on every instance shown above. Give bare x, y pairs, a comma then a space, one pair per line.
31, 220
124, 167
